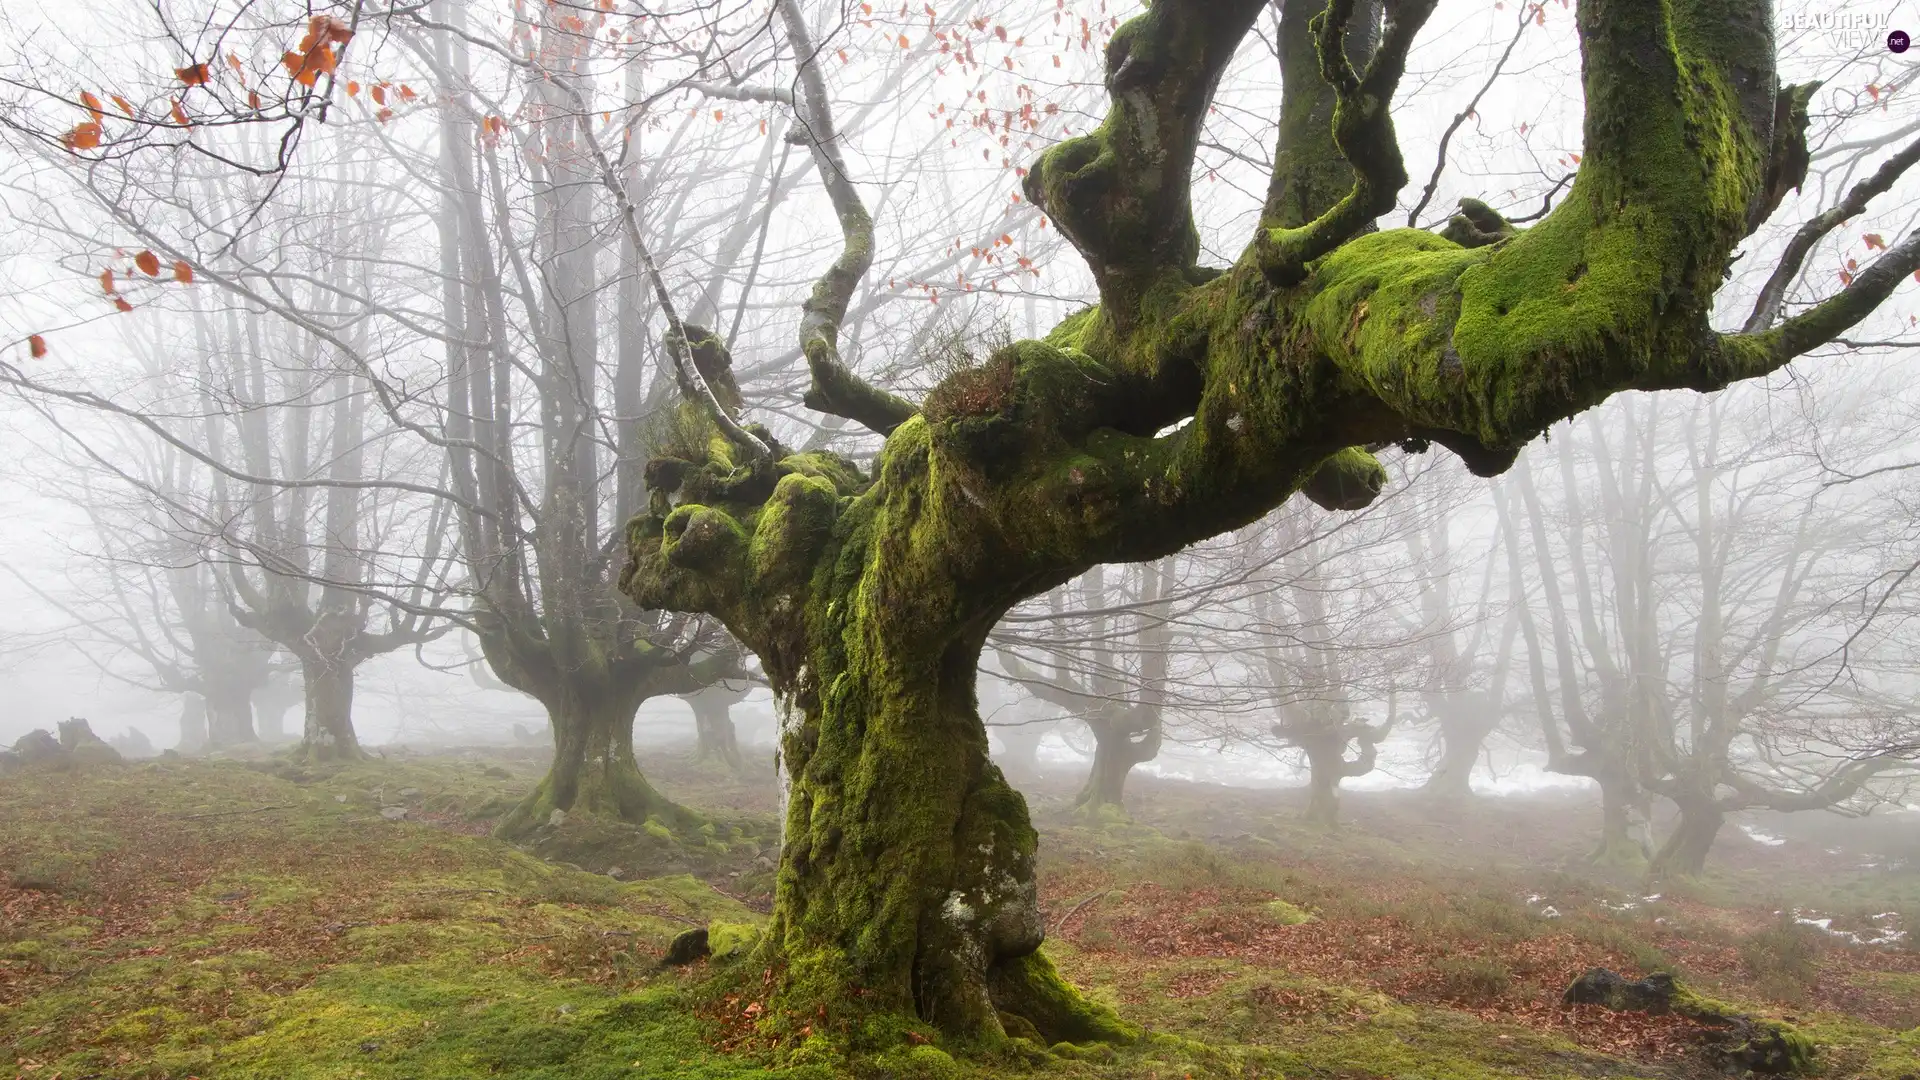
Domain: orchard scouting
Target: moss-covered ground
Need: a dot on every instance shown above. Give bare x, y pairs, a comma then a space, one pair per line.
227, 919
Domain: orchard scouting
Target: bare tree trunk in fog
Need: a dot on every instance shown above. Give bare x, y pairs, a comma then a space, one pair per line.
193, 725
271, 702
713, 724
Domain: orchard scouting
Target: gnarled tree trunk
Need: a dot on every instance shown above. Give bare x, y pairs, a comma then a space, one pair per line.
1117, 748
907, 870
328, 733
713, 726
593, 770
1685, 851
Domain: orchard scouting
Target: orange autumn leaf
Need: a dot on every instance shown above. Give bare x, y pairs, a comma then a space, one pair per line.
82, 137
93, 106
36, 346
307, 67
253, 100
353, 88
196, 75
1875, 242
182, 273
106, 281
718, 114
148, 262
379, 94
406, 93
233, 61
180, 116
904, 43
325, 29
383, 115
121, 303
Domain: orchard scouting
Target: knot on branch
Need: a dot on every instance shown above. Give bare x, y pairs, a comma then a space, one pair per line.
1028, 396
1787, 157
1477, 225
712, 359
1349, 480
739, 542
1120, 192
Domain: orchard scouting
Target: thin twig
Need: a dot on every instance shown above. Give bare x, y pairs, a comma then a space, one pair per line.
235, 813
1440, 162
1075, 910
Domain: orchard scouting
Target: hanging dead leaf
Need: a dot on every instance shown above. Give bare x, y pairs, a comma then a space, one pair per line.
93, 106
406, 93
180, 116
36, 346
253, 100
121, 303
233, 61
124, 106
148, 262
106, 281
196, 75
379, 94
182, 273
383, 115
82, 137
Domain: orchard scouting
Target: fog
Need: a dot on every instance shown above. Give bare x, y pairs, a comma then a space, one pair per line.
856, 416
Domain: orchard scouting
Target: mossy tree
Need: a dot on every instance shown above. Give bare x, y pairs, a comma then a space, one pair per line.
906, 883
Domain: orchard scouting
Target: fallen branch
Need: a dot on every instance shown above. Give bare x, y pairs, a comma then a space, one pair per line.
1075, 910
235, 813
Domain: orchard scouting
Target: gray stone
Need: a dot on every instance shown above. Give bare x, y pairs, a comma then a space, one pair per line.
393, 813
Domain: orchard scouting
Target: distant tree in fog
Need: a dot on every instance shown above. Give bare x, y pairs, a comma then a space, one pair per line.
1705, 660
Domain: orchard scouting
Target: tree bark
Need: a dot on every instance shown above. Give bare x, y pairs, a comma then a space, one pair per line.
909, 873
328, 734
713, 725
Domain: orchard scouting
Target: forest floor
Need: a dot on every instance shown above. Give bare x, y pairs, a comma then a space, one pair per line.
227, 919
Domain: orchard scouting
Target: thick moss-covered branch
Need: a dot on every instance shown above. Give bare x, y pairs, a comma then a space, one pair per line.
1120, 193
1363, 131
